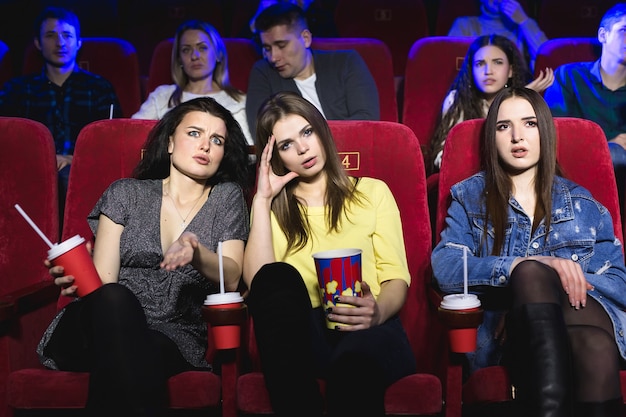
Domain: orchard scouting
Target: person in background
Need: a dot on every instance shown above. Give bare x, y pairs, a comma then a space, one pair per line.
338, 83
543, 257
319, 15
264, 4
597, 90
306, 203
491, 64
156, 253
506, 18
199, 68
62, 96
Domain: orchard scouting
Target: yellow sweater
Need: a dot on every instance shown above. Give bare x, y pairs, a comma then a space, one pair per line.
374, 227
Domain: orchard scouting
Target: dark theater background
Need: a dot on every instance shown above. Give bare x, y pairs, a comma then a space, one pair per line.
144, 23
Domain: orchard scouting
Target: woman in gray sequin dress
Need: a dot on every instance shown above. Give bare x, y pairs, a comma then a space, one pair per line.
155, 251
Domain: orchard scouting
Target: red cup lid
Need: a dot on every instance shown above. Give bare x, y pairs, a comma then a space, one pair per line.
460, 301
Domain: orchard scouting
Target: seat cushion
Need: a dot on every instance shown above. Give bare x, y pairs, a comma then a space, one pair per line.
487, 385
414, 394
44, 388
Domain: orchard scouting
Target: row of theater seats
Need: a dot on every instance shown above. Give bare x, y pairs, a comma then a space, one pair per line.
109, 149
398, 23
432, 64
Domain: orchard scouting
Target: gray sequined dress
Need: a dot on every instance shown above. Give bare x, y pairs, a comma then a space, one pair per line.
171, 299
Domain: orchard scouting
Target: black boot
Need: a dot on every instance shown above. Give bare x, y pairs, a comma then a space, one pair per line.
541, 360
610, 408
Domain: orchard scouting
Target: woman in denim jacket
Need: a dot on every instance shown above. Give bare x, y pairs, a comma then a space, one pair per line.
562, 292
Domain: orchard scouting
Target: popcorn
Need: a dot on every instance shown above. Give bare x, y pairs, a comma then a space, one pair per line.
331, 287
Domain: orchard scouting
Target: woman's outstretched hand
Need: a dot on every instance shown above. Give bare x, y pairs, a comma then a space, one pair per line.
268, 183
363, 314
181, 252
543, 81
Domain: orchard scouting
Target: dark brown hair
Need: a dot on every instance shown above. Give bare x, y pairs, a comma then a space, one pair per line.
468, 102
498, 185
340, 190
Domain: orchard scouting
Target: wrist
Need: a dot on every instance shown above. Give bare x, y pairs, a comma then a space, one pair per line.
261, 203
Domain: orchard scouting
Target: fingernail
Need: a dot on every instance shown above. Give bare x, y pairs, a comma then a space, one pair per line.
336, 299
329, 310
336, 327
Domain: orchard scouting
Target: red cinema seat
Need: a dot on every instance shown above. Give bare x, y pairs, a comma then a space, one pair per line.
556, 52
461, 159
27, 295
398, 23
377, 57
435, 389
105, 151
432, 65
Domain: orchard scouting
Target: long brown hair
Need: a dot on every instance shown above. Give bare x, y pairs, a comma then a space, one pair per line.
468, 102
340, 189
498, 184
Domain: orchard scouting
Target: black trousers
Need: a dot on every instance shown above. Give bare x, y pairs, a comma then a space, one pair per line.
296, 348
106, 334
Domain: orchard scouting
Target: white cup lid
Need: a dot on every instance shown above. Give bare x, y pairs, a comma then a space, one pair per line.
225, 298
460, 301
336, 253
60, 248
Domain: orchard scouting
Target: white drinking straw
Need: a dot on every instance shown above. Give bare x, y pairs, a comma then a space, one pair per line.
221, 266
464, 270
111, 112
34, 226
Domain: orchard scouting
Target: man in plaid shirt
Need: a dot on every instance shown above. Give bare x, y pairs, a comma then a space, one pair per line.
62, 96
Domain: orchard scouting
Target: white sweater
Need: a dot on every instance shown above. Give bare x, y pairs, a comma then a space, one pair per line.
156, 105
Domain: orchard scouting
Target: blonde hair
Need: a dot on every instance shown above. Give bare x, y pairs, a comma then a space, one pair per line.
220, 73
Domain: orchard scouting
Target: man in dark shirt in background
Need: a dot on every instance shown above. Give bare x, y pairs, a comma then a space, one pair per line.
62, 96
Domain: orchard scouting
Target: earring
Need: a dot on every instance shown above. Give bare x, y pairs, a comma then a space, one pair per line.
506, 85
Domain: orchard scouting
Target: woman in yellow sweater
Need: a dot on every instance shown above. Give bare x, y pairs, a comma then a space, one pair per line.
306, 203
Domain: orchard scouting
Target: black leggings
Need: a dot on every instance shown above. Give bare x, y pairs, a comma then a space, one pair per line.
296, 348
106, 334
595, 357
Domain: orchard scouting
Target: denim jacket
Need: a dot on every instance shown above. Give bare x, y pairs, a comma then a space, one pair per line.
581, 230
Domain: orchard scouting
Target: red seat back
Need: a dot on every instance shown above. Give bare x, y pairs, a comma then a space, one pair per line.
398, 163
594, 171
433, 64
111, 58
106, 150
377, 56
29, 179
556, 52
398, 23
242, 54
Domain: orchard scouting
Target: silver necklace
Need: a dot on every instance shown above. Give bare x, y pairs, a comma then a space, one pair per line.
184, 219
